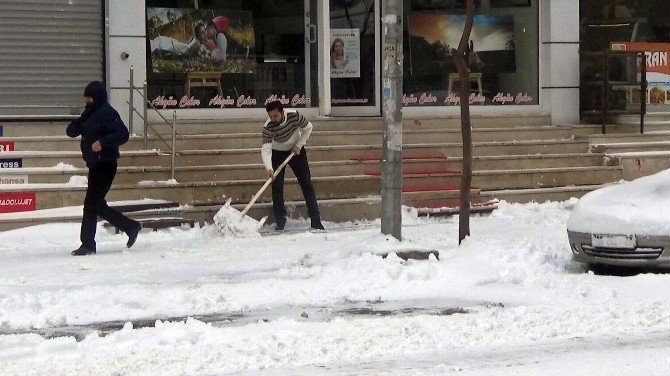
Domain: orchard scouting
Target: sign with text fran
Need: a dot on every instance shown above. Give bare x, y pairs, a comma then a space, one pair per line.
6, 145
658, 69
17, 202
11, 162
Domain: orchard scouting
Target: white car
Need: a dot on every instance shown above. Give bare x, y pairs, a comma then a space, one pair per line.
624, 224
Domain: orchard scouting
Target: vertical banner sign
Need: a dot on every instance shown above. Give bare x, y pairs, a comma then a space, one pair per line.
345, 53
6, 145
658, 68
17, 202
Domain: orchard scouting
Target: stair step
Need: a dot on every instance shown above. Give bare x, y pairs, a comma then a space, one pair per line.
475, 208
159, 223
542, 194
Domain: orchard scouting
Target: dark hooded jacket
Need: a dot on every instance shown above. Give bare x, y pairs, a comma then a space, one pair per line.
99, 122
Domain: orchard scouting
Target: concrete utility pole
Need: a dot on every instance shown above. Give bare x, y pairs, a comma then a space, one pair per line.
392, 60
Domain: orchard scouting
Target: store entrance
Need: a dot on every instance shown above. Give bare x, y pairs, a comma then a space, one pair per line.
316, 55
352, 75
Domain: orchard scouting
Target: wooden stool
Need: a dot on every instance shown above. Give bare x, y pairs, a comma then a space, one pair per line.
203, 79
474, 77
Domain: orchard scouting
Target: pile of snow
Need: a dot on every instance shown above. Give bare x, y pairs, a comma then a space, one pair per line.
78, 181
64, 167
514, 279
638, 207
232, 223
159, 182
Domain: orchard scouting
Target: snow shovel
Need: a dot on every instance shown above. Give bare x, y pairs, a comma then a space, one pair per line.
230, 221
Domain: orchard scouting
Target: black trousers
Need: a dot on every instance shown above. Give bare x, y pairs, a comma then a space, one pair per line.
100, 178
300, 167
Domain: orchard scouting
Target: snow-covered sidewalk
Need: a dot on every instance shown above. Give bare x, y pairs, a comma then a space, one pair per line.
513, 282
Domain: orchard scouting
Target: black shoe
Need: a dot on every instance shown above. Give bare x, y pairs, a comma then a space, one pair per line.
280, 225
132, 234
316, 225
82, 251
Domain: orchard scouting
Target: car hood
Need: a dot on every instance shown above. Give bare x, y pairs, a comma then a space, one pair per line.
640, 207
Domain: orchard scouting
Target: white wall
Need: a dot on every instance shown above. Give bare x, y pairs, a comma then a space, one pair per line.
560, 57
126, 33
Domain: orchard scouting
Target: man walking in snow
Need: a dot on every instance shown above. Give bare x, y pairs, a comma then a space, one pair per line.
286, 132
102, 132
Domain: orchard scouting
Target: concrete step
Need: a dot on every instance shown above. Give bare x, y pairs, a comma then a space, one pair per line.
633, 127
625, 147
546, 177
540, 194
638, 164
496, 162
136, 174
346, 123
65, 143
73, 158
34, 128
428, 150
56, 195
186, 126
342, 137
331, 210
368, 137
629, 137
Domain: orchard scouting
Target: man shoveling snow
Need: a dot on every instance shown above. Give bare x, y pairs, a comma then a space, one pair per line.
284, 138
286, 132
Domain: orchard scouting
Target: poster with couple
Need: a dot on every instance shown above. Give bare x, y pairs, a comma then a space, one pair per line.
345, 53
188, 40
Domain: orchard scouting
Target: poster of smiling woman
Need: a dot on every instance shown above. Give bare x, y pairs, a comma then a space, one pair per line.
188, 40
345, 53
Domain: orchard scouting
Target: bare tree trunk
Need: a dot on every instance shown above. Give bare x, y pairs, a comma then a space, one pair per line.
466, 129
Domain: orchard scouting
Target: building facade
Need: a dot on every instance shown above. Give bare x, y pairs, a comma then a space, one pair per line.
224, 59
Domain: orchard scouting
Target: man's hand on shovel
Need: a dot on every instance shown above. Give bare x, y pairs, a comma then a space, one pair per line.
295, 151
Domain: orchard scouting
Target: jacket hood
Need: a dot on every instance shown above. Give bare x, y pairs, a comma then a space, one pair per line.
97, 91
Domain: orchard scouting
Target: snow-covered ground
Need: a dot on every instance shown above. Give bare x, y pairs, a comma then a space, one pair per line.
508, 301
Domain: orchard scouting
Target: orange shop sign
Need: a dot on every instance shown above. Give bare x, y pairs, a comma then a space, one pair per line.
656, 54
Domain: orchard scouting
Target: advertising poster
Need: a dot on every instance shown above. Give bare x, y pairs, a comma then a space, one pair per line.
11, 163
658, 70
200, 40
433, 35
17, 202
510, 3
345, 52
6, 145
441, 4
13, 179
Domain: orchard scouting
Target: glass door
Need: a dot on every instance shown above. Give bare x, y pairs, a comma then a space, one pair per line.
350, 58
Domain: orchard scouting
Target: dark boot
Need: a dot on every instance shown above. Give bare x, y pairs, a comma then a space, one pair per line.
316, 224
83, 251
132, 234
280, 225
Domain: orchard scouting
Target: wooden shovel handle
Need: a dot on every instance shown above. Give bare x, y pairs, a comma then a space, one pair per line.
267, 183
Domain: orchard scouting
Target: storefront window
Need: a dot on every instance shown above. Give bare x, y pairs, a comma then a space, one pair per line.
502, 56
228, 54
353, 67
634, 25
